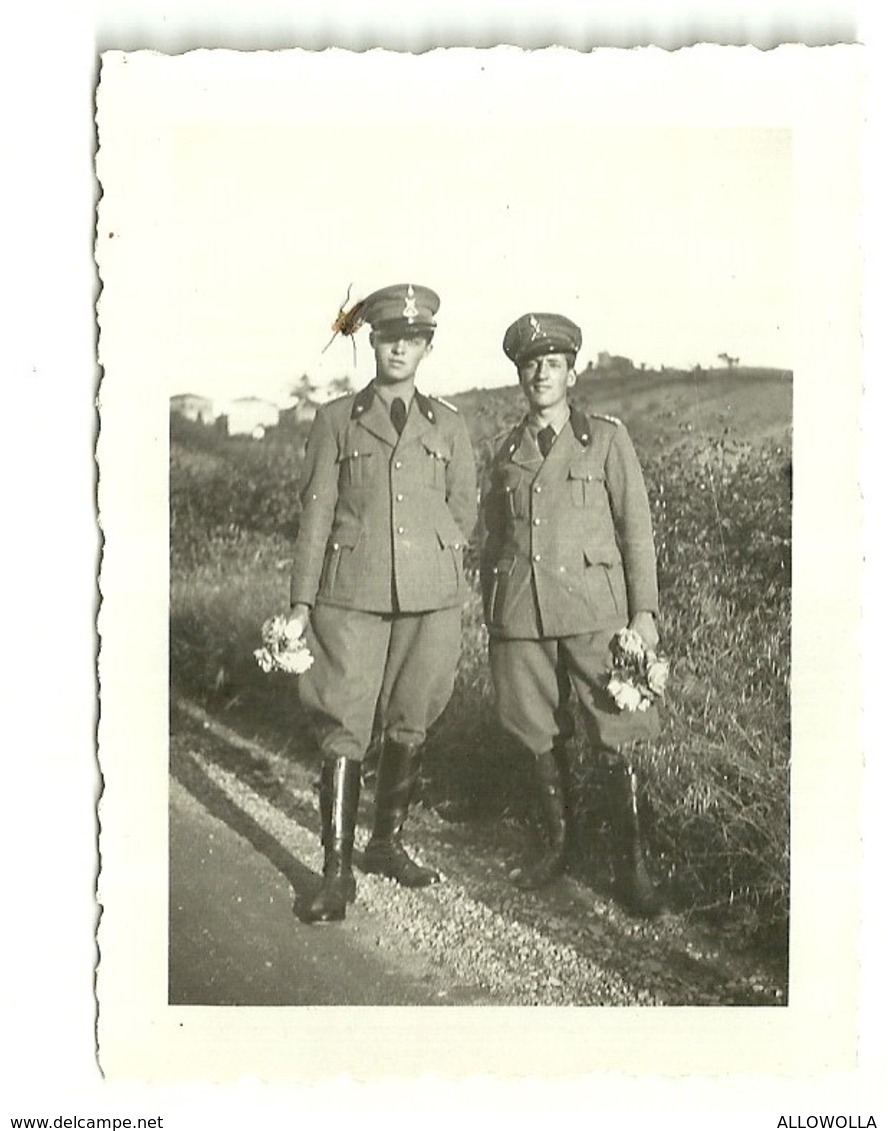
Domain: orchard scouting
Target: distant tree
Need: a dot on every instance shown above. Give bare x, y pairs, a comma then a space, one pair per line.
728, 360
340, 386
304, 389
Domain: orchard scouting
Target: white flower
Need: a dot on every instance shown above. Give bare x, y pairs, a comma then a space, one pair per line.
295, 660
284, 648
626, 696
657, 675
630, 644
293, 631
273, 632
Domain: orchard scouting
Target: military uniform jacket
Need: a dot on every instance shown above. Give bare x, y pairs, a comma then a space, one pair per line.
569, 546
384, 517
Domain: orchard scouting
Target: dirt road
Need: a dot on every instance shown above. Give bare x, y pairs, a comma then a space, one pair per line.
245, 858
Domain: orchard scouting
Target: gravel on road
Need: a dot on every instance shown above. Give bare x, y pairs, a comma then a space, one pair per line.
474, 939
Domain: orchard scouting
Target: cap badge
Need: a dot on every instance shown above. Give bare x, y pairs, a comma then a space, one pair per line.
410, 310
536, 328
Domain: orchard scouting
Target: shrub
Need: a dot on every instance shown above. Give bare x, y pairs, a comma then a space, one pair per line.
223, 488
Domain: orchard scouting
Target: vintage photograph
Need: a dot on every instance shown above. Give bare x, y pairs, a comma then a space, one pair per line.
470, 392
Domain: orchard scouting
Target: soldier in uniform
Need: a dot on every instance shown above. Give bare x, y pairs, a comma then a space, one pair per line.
389, 500
568, 560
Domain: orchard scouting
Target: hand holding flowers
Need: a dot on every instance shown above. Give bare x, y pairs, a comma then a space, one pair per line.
638, 675
283, 647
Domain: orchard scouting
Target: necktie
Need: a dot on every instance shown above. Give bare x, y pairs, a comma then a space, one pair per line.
545, 439
399, 414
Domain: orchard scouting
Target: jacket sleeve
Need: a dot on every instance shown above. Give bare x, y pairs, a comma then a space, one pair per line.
632, 522
462, 484
318, 493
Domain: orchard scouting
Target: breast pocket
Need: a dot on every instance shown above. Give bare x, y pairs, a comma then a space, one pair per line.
514, 490
358, 467
587, 488
436, 460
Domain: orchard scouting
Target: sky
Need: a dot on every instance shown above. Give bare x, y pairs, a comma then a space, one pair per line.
240, 207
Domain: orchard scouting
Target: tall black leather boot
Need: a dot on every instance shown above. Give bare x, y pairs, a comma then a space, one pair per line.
396, 781
635, 888
551, 774
340, 791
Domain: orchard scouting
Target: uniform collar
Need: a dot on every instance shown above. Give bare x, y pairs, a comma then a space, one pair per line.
573, 438
425, 406
363, 401
371, 413
369, 410
580, 425
522, 448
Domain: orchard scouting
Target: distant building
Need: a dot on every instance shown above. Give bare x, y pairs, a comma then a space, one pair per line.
193, 407
251, 416
612, 365
304, 411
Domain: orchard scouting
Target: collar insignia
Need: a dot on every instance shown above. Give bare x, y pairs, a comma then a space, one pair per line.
425, 406
363, 400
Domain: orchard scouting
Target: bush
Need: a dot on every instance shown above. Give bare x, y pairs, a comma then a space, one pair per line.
224, 488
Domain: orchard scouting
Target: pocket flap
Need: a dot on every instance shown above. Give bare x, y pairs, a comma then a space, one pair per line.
345, 534
435, 448
601, 555
582, 469
358, 448
448, 532
511, 478
505, 567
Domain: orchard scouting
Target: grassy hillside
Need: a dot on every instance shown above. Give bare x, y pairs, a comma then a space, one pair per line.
660, 410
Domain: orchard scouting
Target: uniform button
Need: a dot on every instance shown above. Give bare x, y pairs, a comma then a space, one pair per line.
356, 454
537, 557
537, 489
335, 545
399, 498
397, 465
537, 521
400, 529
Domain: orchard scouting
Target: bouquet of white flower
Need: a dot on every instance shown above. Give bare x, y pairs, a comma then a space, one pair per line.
638, 675
283, 647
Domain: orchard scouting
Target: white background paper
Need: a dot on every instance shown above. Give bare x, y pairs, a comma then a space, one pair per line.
47, 347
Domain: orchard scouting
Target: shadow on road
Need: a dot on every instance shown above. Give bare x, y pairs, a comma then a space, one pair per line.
302, 880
